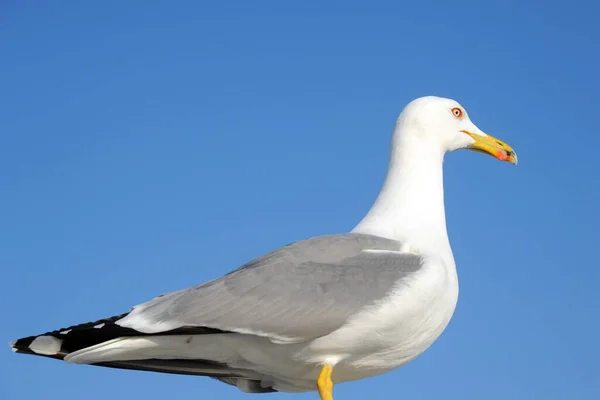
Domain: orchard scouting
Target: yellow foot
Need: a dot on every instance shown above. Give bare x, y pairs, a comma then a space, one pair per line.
324, 383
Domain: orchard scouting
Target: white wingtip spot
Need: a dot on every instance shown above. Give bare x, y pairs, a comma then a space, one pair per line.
65, 332
12, 345
45, 345
99, 326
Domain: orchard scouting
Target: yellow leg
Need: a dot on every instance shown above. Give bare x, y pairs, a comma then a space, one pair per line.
324, 383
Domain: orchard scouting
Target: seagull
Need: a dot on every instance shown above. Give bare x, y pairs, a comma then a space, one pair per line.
323, 310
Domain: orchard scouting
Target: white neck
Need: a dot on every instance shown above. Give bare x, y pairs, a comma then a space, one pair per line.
410, 206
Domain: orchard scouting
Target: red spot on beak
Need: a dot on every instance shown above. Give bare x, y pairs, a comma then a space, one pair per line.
502, 155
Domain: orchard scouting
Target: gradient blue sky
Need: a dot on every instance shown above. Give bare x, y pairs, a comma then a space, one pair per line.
149, 146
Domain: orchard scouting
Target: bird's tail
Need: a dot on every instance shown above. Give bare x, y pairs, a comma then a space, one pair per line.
105, 343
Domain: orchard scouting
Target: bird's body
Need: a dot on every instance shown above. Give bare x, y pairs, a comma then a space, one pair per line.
320, 311
390, 332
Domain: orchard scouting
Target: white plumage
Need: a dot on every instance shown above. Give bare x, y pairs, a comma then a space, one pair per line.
364, 303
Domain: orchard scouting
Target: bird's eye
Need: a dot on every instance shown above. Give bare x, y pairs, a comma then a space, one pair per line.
457, 112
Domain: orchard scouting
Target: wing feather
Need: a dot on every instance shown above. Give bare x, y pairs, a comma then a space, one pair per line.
299, 292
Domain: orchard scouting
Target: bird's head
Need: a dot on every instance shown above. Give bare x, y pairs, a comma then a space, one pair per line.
445, 123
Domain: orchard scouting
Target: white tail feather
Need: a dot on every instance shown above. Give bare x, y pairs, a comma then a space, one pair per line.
209, 347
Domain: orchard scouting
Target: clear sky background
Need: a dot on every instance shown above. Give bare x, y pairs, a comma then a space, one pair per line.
150, 146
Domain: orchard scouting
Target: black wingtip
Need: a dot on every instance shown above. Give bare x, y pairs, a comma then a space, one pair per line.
58, 343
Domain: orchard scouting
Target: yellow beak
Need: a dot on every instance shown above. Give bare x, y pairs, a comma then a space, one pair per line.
492, 146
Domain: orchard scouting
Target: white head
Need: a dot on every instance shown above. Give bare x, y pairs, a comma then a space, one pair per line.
444, 124
410, 205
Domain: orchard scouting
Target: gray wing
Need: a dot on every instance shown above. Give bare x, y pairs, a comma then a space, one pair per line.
299, 292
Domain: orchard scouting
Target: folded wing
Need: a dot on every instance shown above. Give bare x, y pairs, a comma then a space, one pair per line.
299, 292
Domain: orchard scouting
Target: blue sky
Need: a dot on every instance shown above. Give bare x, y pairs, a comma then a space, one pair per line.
147, 147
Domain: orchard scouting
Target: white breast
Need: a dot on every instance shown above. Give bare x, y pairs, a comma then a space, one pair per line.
395, 331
